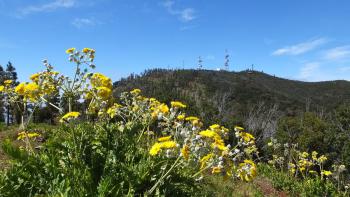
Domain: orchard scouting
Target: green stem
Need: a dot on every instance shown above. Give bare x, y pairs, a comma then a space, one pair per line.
161, 178
59, 109
209, 166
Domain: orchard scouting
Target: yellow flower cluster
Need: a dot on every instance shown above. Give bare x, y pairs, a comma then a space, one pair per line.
177, 104
29, 91
157, 147
100, 80
6, 86
159, 110
23, 135
103, 86
69, 116
297, 162
247, 170
182, 137
204, 149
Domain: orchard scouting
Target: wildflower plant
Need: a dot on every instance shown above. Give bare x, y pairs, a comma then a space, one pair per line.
302, 164
93, 87
140, 143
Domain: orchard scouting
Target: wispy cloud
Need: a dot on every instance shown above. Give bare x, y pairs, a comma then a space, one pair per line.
185, 15
84, 22
337, 53
47, 7
300, 48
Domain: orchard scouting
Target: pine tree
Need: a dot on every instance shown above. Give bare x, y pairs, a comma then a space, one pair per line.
11, 74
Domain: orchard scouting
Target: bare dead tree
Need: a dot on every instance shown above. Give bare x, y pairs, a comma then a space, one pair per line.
262, 120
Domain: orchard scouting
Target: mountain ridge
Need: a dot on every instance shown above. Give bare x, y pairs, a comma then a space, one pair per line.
223, 92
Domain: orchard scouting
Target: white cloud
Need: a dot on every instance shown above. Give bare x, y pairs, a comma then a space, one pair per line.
47, 7
300, 48
186, 14
83, 22
321, 71
337, 53
309, 70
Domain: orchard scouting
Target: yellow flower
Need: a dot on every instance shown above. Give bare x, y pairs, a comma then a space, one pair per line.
88, 50
155, 149
159, 146
314, 155
32, 135
224, 129
113, 110
2, 88
219, 144
185, 151
216, 170
163, 139
70, 50
205, 159
326, 173
191, 118
8, 82
20, 88
304, 154
247, 170
100, 80
214, 127
32, 91
35, 77
135, 91
70, 115
181, 117
177, 104
168, 144
22, 135
151, 99
104, 92
247, 137
322, 159
237, 128
164, 108
312, 172
209, 134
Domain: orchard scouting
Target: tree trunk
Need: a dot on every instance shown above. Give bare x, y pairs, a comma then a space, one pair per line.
8, 115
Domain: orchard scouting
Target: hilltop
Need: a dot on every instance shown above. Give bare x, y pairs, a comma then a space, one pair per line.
228, 96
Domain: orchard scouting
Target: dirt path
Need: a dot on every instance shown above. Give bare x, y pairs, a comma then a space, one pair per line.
267, 189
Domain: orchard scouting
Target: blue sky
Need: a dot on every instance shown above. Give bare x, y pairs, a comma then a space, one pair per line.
303, 40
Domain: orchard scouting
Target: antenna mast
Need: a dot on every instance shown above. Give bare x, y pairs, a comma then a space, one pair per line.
227, 60
200, 61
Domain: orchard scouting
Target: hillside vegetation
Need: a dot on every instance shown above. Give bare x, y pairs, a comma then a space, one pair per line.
225, 95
